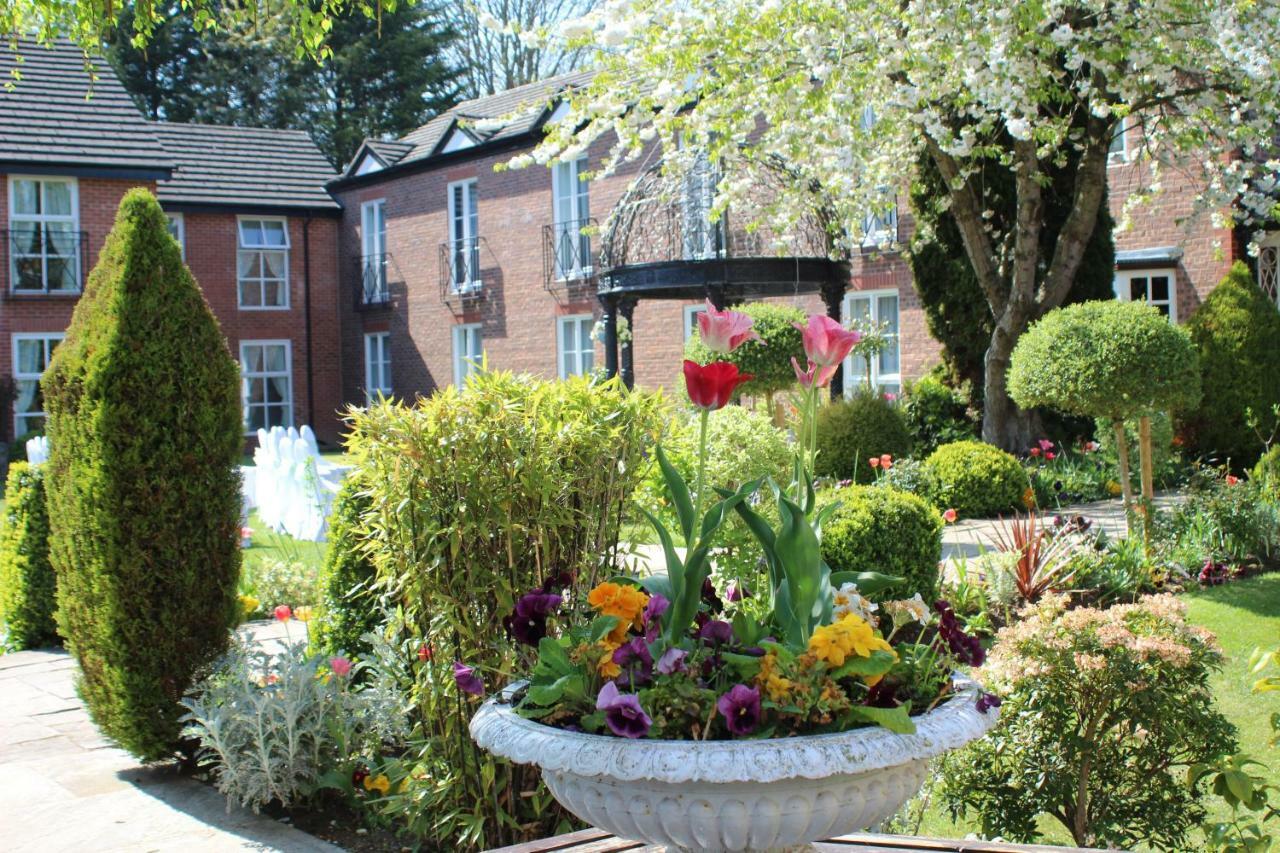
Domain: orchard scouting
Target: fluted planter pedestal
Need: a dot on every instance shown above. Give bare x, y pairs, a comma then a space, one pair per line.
748, 795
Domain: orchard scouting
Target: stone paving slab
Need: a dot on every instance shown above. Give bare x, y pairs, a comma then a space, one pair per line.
63, 787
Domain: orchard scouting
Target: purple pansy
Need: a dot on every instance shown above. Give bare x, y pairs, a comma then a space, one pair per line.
710, 598
716, 632
737, 591
987, 701
740, 708
966, 648
672, 661
658, 604
622, 712
467, 680
636, 661
528, 624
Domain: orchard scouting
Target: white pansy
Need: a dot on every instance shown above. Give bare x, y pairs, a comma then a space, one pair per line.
847, 600
913, 609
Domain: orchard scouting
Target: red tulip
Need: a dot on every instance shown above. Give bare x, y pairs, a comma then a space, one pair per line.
1035, 451
950, 516
886, 461
711, 385
815, 376
724, 331
826, 342
1232, 479
875, 461
283, 612
1050, 455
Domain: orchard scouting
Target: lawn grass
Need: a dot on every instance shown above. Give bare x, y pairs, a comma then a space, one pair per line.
1244, 615
269, 545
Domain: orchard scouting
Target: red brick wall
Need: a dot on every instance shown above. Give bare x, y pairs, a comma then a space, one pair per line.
210, 254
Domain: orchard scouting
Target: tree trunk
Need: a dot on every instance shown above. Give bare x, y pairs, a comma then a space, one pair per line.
1003, 423
1148, 487
1122, 455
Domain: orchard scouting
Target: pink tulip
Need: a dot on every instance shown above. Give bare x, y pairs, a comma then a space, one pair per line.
826, 342
815, 376
1046, 445
724, 331
340, 666
950, 516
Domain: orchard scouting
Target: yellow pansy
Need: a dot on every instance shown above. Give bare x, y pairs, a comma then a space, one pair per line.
851, 635
248, 604
623, 601
379, 783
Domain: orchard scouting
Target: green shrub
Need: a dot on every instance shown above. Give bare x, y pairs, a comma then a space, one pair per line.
1224, 519
26, 578
18, 447
880, 529
1103, 712
279, 580
1266, 473
1235, 332
741, 446
768, 359
910, 475
478, 495
978, 480
936, 415
1113, 360
350, 606
1166, 462
144, 422
852, 430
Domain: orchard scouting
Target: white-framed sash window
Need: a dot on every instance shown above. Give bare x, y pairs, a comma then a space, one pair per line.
31, 354
464, 236
373, 250
1118, 150
576, 351
178, 231
878, 308
468, 351
262, 262
377, 365
691, 313
44, 235
266, 372
1156, 287
571, 212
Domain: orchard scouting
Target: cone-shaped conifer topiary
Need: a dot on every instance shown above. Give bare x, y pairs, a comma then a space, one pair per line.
145, 434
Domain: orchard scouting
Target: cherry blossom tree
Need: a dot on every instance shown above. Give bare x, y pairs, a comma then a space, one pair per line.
849, 92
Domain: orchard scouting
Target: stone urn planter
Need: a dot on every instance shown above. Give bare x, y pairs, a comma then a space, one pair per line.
744, 795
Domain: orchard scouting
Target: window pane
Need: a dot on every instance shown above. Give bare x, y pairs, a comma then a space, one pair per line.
255, 418
860, 308
273, 233
887, 311
61, 273
57, 198
252, 357
275, 358
26, 197
30, 356
1160, 288
1138, 289
278, 390
250, 232
250, 294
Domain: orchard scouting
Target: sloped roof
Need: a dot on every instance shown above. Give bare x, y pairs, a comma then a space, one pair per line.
243, 167
47, 120
527, 104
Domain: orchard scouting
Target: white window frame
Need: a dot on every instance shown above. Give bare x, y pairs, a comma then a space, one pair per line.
878, 379
470, 237
580, 362
373, 251
242, 248
45, 338
1121, 156
569, 190
377, 365
691, 313
245, 376
468, 351
73, 219
1123, 286
178, 231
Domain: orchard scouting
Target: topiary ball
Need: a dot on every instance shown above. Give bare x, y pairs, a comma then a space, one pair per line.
768, 360
1107, 360
881, 529
853, 430
978, 480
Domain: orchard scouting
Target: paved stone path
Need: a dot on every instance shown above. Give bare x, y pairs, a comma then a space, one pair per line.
64, 788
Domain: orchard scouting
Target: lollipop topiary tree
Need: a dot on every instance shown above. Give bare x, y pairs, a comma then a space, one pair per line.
1111, 360
768, 358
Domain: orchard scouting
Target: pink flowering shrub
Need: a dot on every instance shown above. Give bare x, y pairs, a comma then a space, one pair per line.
1103, 712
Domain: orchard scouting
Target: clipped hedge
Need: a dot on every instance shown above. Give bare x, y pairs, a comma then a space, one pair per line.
27, 586
936, 415
145, 433
768, 359
477, 496
1236, 332
881, 529
349, 606
978, 480
852, 430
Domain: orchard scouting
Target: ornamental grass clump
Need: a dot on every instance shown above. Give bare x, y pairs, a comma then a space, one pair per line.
143, 479
1104, 711
671, 656
477, 495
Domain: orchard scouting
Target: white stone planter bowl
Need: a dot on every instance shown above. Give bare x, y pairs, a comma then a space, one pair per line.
733, 795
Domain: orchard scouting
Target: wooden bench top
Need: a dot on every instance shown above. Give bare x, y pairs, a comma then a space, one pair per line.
598, 841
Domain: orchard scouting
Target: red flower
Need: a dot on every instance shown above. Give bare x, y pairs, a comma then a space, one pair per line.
283, 612
886, 461
424, 653
826, 342
1232, 479
724, 331
711, 385
1050, 455
875, 461
950, 516
1035, 451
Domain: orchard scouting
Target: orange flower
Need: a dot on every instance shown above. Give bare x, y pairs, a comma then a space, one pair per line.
950, 516
623, 601
875, 461
886, 461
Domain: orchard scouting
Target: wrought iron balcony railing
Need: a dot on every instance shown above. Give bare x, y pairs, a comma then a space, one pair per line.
42, 258
375, 288
567, 259
460, 269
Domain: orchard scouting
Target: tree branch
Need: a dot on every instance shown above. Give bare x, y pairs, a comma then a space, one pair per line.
966, 208
1090, 183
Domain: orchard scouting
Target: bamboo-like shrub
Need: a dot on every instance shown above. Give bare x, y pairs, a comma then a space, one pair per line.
477, 496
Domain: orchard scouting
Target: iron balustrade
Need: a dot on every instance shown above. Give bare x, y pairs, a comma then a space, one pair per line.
567, 258
42, 258
375, 288
460, 268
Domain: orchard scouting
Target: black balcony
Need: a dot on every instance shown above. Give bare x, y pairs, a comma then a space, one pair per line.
460, 280
568, 263
41, 259
374, 287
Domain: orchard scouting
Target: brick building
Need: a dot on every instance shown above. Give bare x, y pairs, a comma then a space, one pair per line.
248, 206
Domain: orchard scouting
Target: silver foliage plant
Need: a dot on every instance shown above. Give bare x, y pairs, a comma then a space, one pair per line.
280, 726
